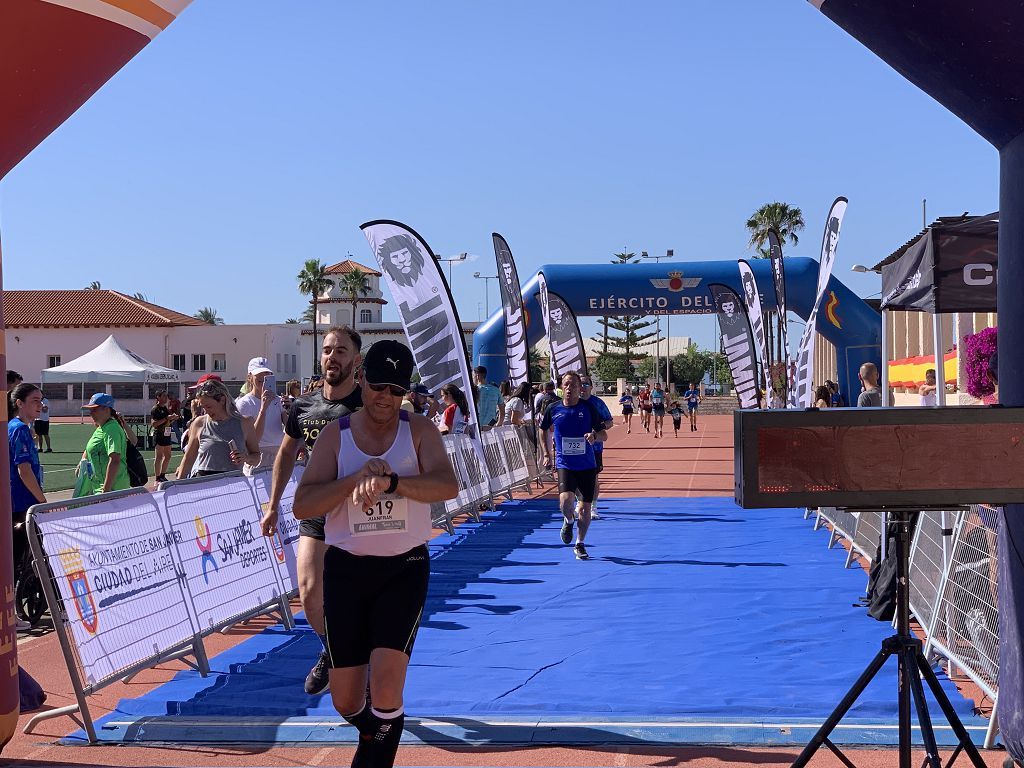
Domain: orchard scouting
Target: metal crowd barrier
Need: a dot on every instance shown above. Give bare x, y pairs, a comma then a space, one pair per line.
953, 586
106, 626
965, 620
133, 579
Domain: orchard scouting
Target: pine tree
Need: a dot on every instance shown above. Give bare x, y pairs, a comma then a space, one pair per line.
626, 257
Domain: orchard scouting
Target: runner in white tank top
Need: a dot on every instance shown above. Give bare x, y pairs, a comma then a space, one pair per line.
392, 525
374, 475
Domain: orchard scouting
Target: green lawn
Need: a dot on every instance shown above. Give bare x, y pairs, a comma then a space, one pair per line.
68, 441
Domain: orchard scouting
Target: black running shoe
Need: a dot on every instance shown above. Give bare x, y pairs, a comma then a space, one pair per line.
581, 551
566, 531
319, 676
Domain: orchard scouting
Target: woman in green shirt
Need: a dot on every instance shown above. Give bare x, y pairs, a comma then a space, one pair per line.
105, 449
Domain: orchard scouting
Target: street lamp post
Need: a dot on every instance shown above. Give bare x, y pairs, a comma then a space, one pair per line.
487, 289
450, 260
884, 373
670, 253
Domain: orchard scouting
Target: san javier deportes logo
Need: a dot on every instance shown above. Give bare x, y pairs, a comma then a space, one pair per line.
204, 540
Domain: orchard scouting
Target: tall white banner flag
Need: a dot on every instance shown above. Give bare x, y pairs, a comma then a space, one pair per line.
512, 306
752, 298
802, 393
564, 339
416, 282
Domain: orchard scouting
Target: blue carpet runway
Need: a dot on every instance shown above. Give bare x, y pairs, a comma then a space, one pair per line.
694, 622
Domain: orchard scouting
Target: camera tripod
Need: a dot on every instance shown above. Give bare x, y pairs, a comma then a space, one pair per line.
912, 667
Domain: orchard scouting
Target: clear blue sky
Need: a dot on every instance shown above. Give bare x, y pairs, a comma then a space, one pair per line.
252, 135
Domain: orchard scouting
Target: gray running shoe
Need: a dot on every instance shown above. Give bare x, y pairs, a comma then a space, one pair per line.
319, 676
581, 551
566, 531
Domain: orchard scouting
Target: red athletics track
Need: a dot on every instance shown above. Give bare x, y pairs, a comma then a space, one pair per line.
694, 464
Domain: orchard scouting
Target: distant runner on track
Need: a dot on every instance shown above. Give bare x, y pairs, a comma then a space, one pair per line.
692, 397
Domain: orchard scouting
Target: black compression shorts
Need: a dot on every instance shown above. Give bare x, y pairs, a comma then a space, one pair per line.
599, 458
41, 427
161, 439
373, 602
582, 480
312, 528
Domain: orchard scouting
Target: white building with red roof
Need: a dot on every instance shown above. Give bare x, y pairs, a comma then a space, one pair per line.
48, 328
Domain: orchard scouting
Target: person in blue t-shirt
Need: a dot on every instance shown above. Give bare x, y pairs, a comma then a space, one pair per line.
658, 404
692, 397
25, 403
577, 425
587, 389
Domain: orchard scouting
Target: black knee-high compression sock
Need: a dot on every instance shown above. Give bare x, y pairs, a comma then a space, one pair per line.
361, 720
378, 745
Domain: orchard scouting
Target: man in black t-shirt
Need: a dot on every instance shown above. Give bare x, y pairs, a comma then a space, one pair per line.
160, 421
310, 413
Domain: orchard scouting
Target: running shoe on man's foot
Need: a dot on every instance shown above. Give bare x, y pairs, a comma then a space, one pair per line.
566, 531
581, 551
319, 676
594, 515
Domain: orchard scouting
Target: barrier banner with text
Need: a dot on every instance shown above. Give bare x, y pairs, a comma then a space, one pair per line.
115, 570
228, 565
285, 541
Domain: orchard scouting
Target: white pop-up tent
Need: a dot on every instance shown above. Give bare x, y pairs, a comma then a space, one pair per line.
109, 362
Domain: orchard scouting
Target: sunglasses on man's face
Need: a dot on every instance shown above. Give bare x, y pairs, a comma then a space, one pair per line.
210, 392
395, 390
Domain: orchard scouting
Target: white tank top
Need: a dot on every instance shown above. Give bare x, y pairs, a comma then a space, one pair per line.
394, 524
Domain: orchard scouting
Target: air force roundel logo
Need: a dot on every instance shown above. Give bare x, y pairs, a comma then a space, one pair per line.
676, 282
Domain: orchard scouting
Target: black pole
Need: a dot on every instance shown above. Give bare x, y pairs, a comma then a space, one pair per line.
1010, 275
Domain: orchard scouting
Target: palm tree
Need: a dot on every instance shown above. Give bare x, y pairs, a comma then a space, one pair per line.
94, 286
292, 321
209, 316
787, 221
354, 284
782, 217
308, 314
313, 281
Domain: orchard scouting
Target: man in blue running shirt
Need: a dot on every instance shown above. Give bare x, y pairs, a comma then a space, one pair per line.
693, 398
577, 425
609, 422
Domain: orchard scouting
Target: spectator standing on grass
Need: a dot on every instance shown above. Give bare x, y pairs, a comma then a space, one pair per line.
871, 397
160, 421
105, 451
42, 425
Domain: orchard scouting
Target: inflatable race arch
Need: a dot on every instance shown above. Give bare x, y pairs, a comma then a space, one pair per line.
851, 325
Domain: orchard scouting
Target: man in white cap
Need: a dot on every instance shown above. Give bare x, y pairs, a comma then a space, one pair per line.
262, 404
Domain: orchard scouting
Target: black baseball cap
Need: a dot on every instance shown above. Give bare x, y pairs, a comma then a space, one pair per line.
388, 362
